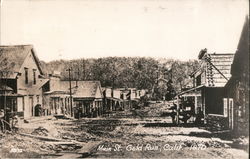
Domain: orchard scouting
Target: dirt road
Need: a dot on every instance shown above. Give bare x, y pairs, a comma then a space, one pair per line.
137, 133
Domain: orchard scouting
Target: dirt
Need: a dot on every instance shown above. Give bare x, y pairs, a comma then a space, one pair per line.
137, 133
40, 131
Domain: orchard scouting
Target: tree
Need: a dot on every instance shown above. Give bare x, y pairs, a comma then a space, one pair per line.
128, 72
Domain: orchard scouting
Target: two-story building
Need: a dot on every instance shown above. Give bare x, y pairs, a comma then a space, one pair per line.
209, 81
21, 80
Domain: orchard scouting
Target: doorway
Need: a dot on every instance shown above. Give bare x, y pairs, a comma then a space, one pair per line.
31, 107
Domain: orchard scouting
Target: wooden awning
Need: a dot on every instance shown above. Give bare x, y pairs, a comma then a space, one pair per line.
192, 89
11, 95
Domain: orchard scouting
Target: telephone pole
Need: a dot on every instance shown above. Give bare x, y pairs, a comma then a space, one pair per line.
70, 92
77, 76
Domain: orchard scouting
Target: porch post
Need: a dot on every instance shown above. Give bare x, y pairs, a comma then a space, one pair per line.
178, 110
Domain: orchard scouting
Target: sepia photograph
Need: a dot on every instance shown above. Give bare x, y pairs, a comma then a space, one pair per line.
124, 79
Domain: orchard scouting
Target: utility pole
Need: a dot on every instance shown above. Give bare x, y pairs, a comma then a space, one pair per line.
70, 92
77, 76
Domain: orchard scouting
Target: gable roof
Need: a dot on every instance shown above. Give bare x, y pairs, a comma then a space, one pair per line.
13, 56
85, 89
88, 89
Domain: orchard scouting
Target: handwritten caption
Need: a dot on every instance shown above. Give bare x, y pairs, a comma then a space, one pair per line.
149, 147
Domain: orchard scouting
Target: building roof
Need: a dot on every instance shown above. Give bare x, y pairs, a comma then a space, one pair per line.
191, 89
88, 89
223, 63
217, 67
12, 57
84, 89
40, 84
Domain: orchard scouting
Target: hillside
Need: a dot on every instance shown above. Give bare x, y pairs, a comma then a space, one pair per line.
136, 72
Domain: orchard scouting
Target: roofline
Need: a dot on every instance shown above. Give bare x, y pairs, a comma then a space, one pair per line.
194, 72
191, 89
37, 60
16, 45
100, 88
221, 53
34, 55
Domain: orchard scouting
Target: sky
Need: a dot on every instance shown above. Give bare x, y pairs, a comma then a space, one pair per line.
70, 29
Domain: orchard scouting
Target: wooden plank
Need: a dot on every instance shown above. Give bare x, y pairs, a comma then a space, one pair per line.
217, 75
224, 71
229, 57
223, 67
222, 80
222, 62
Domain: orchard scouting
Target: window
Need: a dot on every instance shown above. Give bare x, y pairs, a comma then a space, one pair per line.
37, 98
26, 75
34, 76
198, 80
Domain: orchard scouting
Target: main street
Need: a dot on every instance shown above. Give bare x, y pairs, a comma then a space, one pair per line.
123, 134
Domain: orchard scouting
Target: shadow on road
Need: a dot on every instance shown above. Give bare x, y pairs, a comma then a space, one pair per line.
188, 125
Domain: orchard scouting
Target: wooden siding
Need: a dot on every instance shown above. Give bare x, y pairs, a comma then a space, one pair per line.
223, 63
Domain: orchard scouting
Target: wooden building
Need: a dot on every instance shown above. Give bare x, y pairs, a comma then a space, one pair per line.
209, 81
114, 99
120, 99
108, 102
57, 97
21, 81
236, 99
86, 98
125, 96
